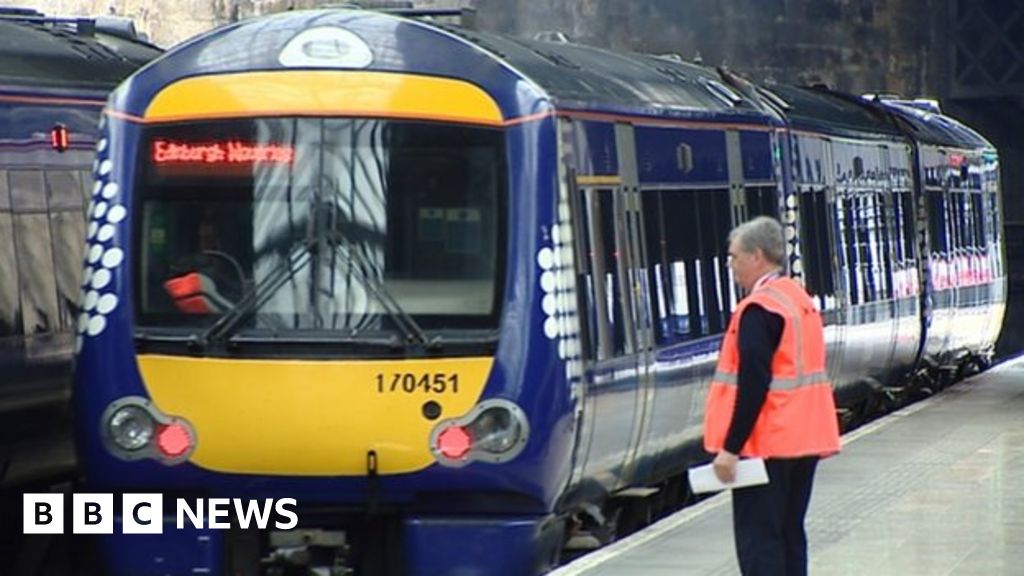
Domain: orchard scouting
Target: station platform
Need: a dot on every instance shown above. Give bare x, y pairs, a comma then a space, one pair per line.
936, 488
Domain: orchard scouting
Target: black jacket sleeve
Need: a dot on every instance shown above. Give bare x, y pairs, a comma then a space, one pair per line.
760, 333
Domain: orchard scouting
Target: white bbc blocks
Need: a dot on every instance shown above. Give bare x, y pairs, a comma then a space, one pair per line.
92, 513
43, 514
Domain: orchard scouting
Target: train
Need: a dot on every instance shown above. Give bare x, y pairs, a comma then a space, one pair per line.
460, 294
55, 75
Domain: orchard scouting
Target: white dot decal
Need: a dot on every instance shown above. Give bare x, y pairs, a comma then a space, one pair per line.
116, 214
110, 190
90, 300
113, 258
547, 281
101, 145
87, 275
96, 325
97, 187
551, 328
94, 253
93, 227
107, 303
549, 304
105, 167
100, 210
101, 278
545, 258
106, 233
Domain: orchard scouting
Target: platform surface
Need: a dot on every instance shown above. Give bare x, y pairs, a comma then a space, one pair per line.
934, 489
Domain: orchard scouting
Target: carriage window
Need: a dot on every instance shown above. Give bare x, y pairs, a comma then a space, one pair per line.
686, 247
10, 302
68, 231
762, 201
40, 313
816, 247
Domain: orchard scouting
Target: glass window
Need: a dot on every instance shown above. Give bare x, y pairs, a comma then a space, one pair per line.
40, 312
323, 224
816, 247
688, 258
603, 281
10, 299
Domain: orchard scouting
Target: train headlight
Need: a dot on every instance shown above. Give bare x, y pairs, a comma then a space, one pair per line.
131, 428
493, 431
496, 430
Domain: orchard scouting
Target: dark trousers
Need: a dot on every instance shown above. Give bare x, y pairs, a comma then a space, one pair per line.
768, 520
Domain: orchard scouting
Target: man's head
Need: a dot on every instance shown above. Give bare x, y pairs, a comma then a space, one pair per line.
756, 248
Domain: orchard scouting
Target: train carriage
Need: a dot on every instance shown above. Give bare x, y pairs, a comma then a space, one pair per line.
55, 74
457, 293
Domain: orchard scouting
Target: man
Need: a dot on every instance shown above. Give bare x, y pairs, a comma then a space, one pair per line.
771, 398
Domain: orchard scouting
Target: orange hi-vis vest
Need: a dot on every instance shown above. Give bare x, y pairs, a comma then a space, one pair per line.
798, 417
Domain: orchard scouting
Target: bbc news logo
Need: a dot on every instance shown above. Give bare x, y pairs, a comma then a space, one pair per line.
144, 513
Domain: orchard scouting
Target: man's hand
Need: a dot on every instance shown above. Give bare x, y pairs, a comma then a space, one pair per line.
725, 466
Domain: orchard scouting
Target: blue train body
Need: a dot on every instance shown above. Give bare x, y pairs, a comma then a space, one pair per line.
481, 282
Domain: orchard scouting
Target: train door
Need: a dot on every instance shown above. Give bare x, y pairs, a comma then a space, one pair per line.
616, 326
636, 294
836, 315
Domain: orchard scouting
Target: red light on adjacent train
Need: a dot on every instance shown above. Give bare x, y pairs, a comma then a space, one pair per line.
454, 442
60, 138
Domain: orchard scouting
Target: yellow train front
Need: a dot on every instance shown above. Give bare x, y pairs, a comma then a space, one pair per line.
301, 282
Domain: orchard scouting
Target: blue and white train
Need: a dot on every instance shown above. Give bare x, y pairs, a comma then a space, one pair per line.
461, 294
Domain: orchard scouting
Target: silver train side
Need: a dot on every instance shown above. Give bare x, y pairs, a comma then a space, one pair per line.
619, 178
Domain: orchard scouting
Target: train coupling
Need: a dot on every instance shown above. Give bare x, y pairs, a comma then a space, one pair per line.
302, 552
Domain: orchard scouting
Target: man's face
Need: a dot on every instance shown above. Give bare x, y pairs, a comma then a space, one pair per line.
745, 265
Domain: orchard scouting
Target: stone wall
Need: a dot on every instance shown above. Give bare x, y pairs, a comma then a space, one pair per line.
168, 22
856, 45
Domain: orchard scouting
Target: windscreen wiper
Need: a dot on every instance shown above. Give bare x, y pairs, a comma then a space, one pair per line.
298, 258
412, 330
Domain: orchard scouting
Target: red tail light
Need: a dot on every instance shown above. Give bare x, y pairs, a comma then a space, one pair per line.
173, 440
454, 442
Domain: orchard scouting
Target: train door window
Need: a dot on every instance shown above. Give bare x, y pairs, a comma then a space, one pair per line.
816, 247
602, 282
35, 253
10, 301
68, 232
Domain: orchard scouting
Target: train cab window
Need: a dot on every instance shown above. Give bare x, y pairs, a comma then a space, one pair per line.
10, 300
327, 226
40, 312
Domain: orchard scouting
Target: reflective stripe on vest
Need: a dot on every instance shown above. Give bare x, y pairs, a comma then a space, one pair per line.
798, 417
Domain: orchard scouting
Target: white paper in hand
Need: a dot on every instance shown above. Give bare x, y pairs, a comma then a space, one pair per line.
749, 472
